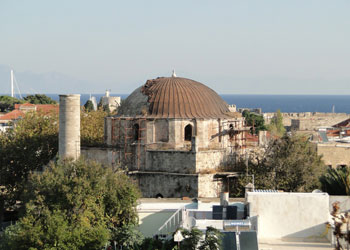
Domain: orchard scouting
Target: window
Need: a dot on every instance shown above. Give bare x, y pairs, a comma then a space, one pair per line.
188, 132
136, 132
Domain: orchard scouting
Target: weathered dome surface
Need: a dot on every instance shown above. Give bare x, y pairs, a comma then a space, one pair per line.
174, 97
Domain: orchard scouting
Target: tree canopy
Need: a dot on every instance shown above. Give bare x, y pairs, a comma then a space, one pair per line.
276, 125
290, 163
73, 205
32, 143
92, 127
336, 181
39, 99
8, 103
89, 106
255, 121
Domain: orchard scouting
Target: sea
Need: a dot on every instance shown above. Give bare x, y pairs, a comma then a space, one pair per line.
271, 103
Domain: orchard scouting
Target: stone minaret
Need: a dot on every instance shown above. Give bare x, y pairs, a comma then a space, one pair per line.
69, 133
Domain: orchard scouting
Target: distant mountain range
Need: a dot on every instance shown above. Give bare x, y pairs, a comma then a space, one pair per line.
51, 82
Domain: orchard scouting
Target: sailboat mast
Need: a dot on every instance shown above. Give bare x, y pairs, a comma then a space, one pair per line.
12, 86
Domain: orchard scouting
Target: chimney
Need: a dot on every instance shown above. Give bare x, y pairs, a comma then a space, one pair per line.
69, 131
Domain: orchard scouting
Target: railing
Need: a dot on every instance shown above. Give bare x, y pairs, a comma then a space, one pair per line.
171, 225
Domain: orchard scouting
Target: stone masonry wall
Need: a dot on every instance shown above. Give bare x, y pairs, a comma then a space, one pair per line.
208, 186
314, 119
101, 155
310, 120
208, 161
171, 161
334, 154
167, 185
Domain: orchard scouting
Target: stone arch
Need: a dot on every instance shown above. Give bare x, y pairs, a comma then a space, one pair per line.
188, 132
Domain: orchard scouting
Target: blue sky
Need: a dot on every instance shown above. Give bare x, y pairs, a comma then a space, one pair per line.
234, 47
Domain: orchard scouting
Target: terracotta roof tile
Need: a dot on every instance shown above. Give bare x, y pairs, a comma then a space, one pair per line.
15, 114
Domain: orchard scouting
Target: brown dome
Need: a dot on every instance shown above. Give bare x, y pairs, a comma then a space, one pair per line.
174, 97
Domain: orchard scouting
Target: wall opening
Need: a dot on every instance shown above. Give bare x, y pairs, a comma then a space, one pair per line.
159, 196
231, 132
188, 132
341, 166
136, 132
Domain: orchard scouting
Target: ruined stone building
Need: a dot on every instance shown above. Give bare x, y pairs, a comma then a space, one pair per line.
174, 134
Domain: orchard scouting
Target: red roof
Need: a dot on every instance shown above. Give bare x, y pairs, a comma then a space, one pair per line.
47, 107
17, 112
13, 115
17, 106
39, 107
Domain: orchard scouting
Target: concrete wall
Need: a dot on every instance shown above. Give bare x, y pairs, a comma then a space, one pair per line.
290, 215
334, 154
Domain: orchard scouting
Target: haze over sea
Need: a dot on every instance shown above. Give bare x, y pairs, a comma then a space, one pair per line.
270, 103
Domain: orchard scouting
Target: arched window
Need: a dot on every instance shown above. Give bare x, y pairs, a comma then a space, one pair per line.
136, 131
188, 132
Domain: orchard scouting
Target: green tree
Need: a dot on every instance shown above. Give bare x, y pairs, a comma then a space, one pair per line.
39, 99
290, 163
191, 238
8, 103
255, 121
89, 106
295, 164
213, 239
103, 107
336, 181
127, 237
73, 205
157, 244
32, 143
92, 127
29, 146
276, 125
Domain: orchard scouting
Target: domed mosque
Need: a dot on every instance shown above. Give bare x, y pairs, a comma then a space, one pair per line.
174, 136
